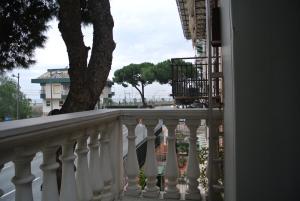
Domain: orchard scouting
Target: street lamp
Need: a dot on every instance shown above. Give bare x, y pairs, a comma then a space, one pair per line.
18, 93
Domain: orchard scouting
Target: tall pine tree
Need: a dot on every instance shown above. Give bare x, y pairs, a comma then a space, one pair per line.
22, 29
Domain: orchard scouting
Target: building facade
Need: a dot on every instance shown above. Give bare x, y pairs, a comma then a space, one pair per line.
55, 86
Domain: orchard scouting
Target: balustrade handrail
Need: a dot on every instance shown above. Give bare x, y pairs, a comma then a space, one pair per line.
21, 139
16, 132
38, 125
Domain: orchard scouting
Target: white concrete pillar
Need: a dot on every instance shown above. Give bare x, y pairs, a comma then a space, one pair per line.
193, 170
172, 171
49, 167
116, 153
95, 166
151, 189
132, 166
106, 163
84, 188
23, 177
68, 190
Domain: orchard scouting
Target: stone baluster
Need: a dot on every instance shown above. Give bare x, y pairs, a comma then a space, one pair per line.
68, 190
105, 160
193, 170
151, 189
132, 166
84, 188
172, 171
95, 166
116, 154
23, 177
49, 167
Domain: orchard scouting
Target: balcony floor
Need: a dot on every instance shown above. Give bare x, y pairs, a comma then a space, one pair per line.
129, 198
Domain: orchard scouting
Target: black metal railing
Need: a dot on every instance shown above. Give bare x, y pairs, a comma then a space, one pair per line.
189, 79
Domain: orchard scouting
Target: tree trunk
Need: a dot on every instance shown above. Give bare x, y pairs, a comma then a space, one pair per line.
86, 79
142, 94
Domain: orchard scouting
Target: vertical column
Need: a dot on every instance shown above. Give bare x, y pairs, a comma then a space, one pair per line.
68, 185
105, 160
95, 166
151, 189
172, 172
132, 166
83, 183
116, 150
49, 167
23, 177
213, 157
193, 170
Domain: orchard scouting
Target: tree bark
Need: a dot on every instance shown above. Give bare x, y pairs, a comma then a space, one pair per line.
143, 97
87, 80
142, 94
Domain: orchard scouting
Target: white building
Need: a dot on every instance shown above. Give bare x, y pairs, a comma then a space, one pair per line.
55, 86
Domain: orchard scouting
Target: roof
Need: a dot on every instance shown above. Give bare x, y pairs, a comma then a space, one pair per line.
193, 18
53, 76
59, 75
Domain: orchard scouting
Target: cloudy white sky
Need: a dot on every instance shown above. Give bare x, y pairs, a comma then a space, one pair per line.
145, 30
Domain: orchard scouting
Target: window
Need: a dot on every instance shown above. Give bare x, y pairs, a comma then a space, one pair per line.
56, 88
61, 103
48, 103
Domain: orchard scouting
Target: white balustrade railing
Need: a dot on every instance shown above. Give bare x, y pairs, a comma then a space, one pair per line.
95, 140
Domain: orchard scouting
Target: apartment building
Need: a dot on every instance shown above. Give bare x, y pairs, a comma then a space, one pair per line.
55, 86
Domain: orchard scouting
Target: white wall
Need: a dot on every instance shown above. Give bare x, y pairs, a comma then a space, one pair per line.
47, 109
56, 90
262, 98
104, 94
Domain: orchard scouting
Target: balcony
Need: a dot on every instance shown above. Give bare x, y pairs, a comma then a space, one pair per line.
42, 94
101, 173
190, 81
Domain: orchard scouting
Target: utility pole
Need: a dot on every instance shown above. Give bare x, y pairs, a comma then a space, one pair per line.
18, 93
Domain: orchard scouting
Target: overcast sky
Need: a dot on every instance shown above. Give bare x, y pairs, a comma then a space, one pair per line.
145, 30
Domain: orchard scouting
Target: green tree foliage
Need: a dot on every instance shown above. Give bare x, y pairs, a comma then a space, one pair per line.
203, 158
8, 100
163, 70
138, 75
23, 24
22, 29
142, 179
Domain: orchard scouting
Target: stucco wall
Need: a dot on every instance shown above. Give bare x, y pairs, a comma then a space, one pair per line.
261, 50
47, 109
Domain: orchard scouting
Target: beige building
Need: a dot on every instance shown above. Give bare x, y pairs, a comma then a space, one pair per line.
55, 86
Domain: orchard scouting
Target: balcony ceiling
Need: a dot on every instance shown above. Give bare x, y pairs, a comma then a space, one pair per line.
193, 20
